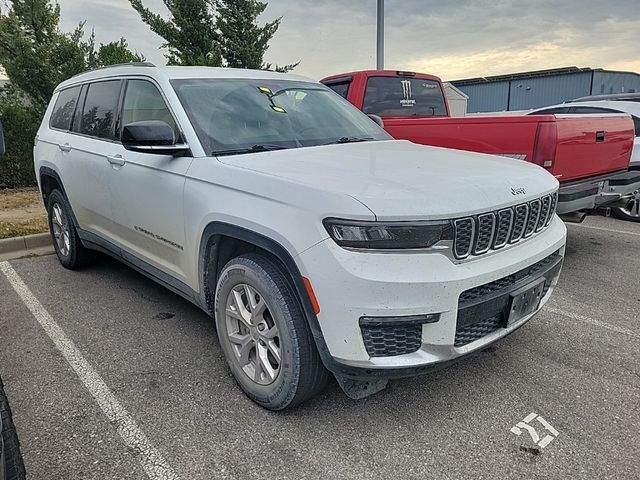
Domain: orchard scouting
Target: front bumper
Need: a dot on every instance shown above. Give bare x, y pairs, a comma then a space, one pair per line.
350, 285
597, 192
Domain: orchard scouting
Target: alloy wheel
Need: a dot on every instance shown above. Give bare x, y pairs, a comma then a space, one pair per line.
632, 208
253, 334
61, 234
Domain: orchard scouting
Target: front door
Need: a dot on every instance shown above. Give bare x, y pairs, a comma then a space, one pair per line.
147, 189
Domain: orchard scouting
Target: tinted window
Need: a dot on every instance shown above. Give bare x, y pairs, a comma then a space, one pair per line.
341, 89
64, 108
143, 101
397, 96
591, 110
100, 106
550, 111
232, 114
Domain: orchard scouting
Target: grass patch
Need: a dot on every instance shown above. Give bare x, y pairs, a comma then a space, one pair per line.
21, 213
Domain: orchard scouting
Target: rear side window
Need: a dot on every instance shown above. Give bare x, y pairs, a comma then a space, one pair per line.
341, 89
99, 111
552, 111
63, 109
397, 96
143, 101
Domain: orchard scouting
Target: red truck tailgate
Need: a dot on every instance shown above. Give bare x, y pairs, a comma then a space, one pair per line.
591, 145
499, 135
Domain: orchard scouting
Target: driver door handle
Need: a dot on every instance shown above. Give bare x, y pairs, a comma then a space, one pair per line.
116, 160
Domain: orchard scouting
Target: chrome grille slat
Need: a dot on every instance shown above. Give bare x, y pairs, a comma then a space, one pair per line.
532, 220
486, 228
503, 228
478, 234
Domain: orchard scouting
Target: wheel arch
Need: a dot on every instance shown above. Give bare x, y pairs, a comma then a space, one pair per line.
214, 240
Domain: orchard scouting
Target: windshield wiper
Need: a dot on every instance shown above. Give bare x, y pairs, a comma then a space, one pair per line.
252, 149
350, 140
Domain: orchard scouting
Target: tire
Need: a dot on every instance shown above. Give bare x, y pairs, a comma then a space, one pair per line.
621, 214
278, 381
66, 242
11, 457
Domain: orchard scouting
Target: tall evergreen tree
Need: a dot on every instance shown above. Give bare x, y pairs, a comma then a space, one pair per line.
190, 33
243, 42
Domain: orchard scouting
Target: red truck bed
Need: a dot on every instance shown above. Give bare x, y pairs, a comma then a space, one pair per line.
588, 154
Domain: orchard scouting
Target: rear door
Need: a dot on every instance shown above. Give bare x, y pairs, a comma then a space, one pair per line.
89, 146
147, 189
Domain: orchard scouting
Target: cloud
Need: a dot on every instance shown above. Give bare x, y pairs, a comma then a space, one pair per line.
452, 38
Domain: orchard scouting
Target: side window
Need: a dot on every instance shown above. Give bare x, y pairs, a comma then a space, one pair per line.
636, 125
341, 89
100, 107
552, 111
590, 110
64, 108
143, 101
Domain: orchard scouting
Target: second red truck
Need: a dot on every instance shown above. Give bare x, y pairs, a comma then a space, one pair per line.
589, 155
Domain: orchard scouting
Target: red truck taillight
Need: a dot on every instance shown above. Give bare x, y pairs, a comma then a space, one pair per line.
544, 151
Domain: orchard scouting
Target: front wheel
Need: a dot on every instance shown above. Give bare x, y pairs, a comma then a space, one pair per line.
264, 335
631, 211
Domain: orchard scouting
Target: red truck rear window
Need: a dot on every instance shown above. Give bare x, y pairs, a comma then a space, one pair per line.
398, 96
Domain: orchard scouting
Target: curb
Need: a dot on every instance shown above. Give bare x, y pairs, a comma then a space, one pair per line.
17, 247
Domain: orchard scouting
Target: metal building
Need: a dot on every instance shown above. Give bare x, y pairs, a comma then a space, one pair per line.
523, 91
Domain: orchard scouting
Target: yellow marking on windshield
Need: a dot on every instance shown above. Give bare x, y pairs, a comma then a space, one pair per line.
266, 90
278, 109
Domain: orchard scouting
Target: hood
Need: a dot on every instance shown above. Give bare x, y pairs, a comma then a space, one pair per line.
397, 179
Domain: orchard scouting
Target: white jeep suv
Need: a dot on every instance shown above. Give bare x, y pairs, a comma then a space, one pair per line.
317, 242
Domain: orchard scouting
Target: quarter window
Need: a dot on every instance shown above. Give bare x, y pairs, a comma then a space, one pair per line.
64, 108
341, 89
143, 101
100, 107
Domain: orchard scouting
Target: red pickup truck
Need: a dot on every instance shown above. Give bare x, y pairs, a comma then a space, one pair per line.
588, 154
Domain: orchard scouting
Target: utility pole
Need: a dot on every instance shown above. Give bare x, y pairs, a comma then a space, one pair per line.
380, 36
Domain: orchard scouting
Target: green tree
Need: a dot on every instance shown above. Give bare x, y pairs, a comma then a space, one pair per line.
213, 32
243, 42
36, 56
190, 34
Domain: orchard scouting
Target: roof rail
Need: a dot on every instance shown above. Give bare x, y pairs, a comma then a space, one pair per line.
129, 64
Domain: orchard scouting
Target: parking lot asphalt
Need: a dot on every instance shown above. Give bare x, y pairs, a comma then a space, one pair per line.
570, 377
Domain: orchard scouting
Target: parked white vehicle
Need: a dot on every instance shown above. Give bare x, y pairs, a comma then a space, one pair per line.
631, 209
316, 241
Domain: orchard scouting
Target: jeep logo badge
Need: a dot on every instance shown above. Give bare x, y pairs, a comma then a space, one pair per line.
518, 191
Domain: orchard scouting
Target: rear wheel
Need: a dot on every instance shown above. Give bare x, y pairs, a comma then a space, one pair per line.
264, 335
11, 461
66, 242
631, 211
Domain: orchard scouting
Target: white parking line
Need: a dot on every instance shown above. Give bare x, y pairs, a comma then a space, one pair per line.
152, 462
611, 230
592, 321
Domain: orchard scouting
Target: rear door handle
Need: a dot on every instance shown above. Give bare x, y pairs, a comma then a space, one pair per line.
116, 160
65, 147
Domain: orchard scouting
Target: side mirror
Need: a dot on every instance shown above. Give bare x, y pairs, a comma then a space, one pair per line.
376, 119
151, 136
2, 147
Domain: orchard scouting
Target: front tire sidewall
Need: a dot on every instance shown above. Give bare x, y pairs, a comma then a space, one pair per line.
279, 394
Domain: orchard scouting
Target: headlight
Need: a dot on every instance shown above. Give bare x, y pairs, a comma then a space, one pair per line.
389, 235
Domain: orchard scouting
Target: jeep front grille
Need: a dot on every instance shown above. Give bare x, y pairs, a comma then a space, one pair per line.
479, 234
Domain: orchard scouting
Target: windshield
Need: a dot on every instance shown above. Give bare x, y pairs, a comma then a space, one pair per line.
249, 115
401, 96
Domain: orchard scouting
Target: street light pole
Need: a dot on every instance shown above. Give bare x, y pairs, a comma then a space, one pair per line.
380, 36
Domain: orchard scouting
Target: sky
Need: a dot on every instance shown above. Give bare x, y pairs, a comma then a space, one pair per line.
453, 39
